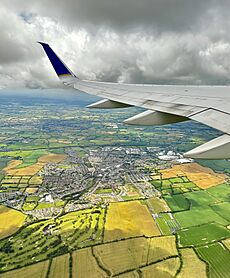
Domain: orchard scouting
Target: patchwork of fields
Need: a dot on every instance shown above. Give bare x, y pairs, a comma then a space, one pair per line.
111, 259
174, 234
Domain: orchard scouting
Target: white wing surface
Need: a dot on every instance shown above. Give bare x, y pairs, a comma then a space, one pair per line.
164, 104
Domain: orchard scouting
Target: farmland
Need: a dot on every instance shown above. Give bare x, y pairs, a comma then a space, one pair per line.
199, 175
222, 209
177, 202
33, 165
142, 251
201, 210
198, 216
36, 270
220, 192
122, 221
71, 176
201, 235
85, 264
166, 268
10, 221
145, 254
60, 267
217, 257
192, 265
157, 205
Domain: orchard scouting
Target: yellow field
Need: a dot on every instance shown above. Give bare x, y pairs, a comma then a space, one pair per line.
192, 265
31, 190
35, 180
10, 221
162, 247
121, 256
164, 269
129, 219
85, 265
158, 205
226, 242
32, 169
60, 267
201, 176
38, 270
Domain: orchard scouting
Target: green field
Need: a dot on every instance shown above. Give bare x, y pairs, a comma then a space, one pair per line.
198, 216
220, 192
200, 198
61, 239
203, 234
222, 209
218, 258
177, 202
167, 224
104, 191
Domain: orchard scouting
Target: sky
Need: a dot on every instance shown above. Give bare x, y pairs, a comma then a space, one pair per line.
131, 41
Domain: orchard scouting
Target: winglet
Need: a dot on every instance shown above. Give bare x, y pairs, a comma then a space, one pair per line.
59, 66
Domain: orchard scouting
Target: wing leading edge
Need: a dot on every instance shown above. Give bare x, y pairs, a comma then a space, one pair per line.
164, 104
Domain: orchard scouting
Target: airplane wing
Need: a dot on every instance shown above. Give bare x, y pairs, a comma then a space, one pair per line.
164, 104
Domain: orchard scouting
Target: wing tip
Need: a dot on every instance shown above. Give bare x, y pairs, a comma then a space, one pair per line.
59, 66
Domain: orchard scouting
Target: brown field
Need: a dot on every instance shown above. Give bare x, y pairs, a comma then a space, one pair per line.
10, 221
164, 269
55, 158
60, 267
85, 265
157, 205
201, 176
32, 169
121, 256
123, 221
38, 270
192, 265
226, 242
29, 170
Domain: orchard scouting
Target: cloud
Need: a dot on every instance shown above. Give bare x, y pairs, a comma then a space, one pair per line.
149, 41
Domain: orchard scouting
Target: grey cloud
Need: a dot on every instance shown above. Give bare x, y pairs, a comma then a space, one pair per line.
169, 15
148, 41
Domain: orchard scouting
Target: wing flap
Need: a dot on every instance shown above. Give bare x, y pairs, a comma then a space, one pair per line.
217, 148
214, 118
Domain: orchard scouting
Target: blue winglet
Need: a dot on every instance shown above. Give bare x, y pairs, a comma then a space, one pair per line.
59, 66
